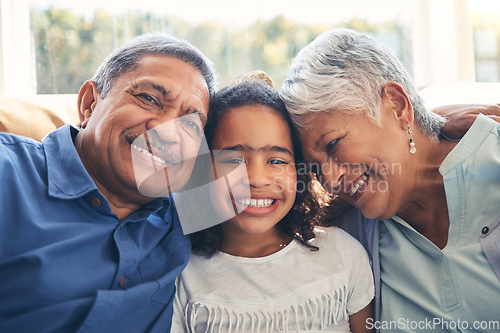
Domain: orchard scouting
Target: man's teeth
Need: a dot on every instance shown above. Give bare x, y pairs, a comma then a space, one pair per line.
360, 183
148, 154
256, 202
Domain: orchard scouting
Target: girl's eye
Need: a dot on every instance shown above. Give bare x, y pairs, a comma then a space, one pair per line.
332, 146
235, 161
277, 161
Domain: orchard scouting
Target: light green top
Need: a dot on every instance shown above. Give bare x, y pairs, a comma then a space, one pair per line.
425, 289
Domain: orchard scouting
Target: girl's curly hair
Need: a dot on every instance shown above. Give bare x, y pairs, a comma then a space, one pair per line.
305, 213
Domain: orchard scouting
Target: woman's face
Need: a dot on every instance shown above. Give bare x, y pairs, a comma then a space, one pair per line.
361, 161
255, 138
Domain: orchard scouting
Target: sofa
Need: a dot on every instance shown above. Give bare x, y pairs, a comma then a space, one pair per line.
37, 115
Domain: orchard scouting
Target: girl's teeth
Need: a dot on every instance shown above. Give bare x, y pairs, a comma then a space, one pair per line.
148, 154
256, 202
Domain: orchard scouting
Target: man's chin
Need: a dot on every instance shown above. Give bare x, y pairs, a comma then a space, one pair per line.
159, 185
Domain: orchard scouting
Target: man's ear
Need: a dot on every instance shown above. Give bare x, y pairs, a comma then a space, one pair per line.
396, 101
87, 99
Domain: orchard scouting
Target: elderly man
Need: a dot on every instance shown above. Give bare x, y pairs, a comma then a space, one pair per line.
89, 240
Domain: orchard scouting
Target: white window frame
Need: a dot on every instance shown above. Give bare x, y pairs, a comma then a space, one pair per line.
17, 71
443, 45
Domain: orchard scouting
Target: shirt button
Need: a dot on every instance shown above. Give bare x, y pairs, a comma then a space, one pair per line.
485, 230
122, 279
96, 202
121, 227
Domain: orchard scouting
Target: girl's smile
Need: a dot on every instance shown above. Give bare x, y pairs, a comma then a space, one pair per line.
257, 207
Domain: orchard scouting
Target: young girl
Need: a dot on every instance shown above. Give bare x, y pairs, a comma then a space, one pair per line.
269, 268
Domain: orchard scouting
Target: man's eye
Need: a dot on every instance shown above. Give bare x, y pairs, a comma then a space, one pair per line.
148, 98
191, 125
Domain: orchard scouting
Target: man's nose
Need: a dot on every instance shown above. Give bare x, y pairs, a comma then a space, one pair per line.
331, 176
167, 128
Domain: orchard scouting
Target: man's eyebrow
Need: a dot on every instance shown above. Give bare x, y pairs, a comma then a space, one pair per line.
267, 148
160, 89
146, 85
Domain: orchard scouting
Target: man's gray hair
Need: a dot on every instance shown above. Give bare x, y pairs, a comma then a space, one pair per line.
346, 71
126, 58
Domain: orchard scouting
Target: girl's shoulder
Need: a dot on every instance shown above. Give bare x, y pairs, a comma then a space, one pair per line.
333, 236
335, 247
334, 240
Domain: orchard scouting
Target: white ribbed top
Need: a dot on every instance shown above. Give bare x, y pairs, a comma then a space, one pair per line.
292, 290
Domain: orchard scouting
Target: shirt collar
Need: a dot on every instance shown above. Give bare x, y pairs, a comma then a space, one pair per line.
68, 178
66, 175
469, 144
161, 206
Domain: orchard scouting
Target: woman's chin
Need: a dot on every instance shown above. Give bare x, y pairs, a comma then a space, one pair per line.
377, 214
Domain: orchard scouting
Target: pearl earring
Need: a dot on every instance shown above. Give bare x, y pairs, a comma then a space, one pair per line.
413, 150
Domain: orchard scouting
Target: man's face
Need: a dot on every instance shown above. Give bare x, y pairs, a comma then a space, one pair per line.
151, 119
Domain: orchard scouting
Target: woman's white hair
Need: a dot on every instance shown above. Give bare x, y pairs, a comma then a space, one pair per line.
345, 71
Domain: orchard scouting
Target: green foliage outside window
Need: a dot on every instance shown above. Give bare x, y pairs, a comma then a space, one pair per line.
69, 48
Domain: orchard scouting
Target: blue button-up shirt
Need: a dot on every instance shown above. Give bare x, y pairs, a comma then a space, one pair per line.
67, 263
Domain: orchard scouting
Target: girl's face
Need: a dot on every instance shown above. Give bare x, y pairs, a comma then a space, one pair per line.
364, 163
258, 138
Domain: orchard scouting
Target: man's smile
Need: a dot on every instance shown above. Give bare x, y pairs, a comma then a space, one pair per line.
153, 147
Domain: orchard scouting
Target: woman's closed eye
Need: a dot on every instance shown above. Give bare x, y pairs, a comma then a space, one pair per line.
331, 147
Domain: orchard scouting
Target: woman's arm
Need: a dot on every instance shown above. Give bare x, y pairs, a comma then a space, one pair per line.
461, 116
360, 322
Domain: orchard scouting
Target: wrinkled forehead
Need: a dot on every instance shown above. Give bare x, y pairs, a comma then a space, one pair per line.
314, 126
172, 79
181, 69
309, 123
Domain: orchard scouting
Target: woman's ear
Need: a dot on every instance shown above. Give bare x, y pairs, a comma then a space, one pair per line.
396, 101
87, 99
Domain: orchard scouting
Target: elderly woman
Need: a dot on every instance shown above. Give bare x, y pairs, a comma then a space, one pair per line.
436, 247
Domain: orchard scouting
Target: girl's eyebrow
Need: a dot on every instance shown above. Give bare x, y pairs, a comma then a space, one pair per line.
272, 148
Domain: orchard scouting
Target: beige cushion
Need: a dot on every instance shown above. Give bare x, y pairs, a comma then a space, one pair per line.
36, 116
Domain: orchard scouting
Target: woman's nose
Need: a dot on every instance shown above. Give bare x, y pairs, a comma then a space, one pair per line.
331, 176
